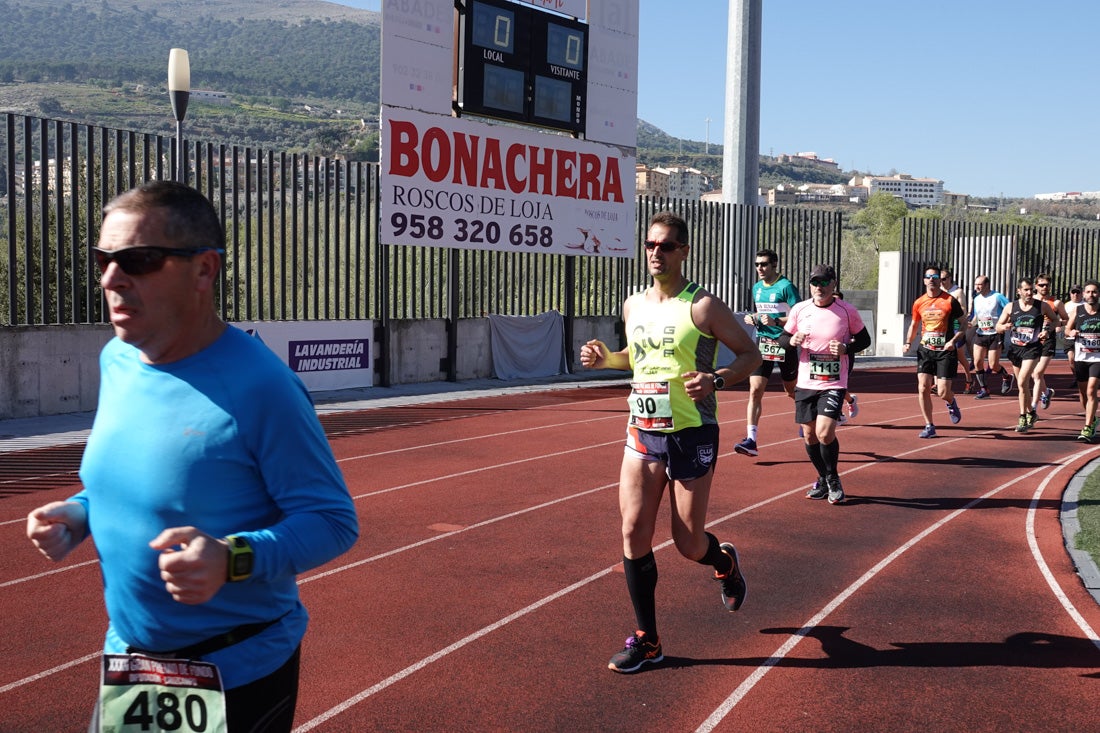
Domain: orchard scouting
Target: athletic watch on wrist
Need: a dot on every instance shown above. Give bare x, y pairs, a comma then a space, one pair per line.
719, 383
240, 559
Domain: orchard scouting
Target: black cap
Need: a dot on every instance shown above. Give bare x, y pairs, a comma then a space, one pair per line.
823, 272
1075, 288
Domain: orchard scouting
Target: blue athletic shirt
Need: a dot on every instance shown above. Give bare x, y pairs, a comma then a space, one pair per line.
226, 440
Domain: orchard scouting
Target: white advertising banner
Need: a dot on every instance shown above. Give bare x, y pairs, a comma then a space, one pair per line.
418, 54
612, 113
325, 355
450, 182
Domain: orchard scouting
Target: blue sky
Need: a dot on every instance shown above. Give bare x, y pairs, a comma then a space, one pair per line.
994, 97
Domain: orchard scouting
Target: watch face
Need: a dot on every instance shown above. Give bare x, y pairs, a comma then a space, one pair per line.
242, 564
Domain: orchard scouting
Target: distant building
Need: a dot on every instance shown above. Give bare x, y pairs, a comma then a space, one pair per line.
781, 196
831, 193
956, 200
205, 95
686, 183
808, 158
1068, 196
913, 191
650, 181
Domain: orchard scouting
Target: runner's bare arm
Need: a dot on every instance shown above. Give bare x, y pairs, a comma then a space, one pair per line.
714, 317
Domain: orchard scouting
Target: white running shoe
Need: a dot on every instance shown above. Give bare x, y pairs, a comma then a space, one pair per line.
853, 406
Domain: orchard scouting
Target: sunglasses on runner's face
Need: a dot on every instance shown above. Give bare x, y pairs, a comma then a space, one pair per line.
664, 246
931, 277
821, 282
143, 260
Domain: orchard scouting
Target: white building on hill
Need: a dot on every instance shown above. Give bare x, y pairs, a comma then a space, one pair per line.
913, 191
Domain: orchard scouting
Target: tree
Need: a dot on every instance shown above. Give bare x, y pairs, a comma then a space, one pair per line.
881, 221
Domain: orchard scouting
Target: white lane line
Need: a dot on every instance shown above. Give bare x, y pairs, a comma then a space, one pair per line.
779, 654
1033, 543
46, 673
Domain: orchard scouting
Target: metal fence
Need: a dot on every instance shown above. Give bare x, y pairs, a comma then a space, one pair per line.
1070, 255
301, 238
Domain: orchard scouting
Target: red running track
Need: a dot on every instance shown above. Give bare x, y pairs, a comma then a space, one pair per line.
486, 592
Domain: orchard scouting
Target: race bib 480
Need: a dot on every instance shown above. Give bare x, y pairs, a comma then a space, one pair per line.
140, 693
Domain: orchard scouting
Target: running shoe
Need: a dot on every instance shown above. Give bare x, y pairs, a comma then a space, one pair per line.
928, 432
853, 407
836, 491
954, 412
969, 389
819, 490
1023, 425
747, 447
1045, 398
638, 651
1007, 382
1088, 433
842, 419
1032, 418
983, 394
734, 588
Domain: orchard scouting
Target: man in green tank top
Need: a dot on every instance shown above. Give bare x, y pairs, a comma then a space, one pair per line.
673, 329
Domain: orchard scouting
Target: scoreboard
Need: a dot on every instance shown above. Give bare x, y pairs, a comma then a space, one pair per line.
520, 63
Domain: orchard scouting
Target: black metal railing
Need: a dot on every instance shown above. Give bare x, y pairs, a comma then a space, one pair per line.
301, 237
1006, 253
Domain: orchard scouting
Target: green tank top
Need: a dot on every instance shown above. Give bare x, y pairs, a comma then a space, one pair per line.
664, 343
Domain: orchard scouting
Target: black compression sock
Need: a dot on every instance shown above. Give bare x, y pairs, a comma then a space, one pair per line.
641, 584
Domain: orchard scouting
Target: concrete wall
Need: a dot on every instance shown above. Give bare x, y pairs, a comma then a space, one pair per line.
53, 370
50, 370
891, 324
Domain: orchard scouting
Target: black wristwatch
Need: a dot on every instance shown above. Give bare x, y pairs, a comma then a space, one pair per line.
240, 559
719, 382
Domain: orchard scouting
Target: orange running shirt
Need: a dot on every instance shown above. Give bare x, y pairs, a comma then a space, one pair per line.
937, 317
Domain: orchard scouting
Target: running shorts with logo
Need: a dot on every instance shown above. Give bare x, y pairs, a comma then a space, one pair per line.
809, 404
687, 454
943, 364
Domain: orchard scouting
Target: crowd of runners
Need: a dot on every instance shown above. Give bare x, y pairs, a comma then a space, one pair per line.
997, 344
674, 327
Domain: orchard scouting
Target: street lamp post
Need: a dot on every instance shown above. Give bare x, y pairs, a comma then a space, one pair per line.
179, 89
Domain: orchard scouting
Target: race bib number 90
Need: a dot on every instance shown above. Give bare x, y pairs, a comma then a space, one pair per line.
140, 693
650, 406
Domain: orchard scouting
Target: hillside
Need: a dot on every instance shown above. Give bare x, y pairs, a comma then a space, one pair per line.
301, 74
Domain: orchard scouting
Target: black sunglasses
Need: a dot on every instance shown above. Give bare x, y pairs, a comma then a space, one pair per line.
664, 246
143, 260
821, 282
